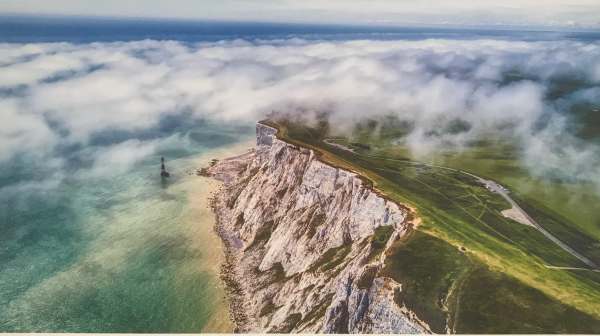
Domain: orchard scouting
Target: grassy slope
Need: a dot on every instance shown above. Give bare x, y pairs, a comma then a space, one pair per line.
499, 160
581, 200
460, 213
568, 210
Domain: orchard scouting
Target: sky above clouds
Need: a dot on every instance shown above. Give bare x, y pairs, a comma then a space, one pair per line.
527, 13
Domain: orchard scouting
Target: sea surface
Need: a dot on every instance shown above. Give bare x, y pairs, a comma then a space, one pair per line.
127, 251
123, 252
85, 30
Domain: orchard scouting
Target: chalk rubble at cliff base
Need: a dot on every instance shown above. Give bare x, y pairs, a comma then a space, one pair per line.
299, 243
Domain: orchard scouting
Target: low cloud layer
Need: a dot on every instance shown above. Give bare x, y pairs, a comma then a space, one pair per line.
54, 96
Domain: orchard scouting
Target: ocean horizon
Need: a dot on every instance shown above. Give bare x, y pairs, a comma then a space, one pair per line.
74, 29
91, 238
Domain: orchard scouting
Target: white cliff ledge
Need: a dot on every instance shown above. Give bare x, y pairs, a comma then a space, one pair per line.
306, 243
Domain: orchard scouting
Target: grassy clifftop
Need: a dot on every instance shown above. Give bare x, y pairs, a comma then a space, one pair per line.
468, 265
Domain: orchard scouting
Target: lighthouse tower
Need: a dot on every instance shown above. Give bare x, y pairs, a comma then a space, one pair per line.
163, 171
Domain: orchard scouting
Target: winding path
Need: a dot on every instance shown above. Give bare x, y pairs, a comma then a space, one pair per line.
572, 268
498, 189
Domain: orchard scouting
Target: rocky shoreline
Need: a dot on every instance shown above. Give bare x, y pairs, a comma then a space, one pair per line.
227, 274
305, 244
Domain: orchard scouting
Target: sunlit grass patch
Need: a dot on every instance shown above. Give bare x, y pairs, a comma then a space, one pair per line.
461, 214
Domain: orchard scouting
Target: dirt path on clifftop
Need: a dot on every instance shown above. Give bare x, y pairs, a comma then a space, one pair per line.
495, 188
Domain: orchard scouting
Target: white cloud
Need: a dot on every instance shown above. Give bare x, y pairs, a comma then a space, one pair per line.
22, 131
120, 158
431, 83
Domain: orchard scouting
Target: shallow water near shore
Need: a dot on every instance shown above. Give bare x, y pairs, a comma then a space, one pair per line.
199, 214
123, 253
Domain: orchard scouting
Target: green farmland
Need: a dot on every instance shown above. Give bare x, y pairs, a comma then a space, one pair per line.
466, 264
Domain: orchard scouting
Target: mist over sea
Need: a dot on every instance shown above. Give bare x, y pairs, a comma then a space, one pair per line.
119, 251
91, 238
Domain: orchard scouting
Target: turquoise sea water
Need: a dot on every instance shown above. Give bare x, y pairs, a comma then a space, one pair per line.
89, 247
106, 253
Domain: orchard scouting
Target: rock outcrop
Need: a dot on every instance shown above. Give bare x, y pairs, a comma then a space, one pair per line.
305, 244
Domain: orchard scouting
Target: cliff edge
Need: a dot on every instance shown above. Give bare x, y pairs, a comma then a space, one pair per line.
305, 244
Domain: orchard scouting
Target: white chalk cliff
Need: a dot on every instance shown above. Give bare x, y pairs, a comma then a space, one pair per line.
302, 253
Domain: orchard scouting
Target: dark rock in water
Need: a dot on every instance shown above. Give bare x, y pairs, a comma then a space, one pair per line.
163, 171
203, 172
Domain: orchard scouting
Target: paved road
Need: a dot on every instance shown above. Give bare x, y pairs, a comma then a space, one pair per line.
572, 268
496, 188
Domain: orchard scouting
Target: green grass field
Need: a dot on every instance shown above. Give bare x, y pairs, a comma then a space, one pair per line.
576, 202
465, 254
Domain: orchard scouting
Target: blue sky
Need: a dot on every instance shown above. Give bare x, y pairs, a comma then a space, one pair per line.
527, 13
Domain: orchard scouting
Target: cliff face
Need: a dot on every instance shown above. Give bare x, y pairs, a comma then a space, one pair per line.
305, 244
